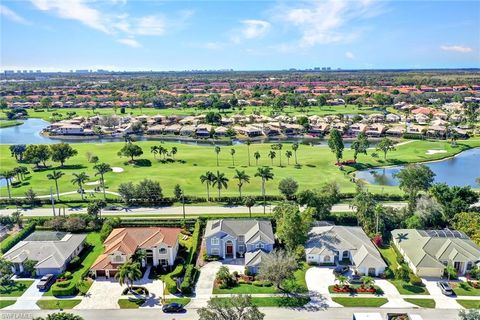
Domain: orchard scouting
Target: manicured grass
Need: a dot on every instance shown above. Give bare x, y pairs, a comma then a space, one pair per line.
464, 289
282, 301
408, 288
389, 254
183, 301
6, 303
361, 302
245, 288
10, 123
469, 304
130, 303
15, 290
377, 292
94, 240
316, 166
57, 304
424, 303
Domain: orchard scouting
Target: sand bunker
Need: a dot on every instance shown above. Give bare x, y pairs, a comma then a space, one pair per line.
435, 151
117, 169
93, 183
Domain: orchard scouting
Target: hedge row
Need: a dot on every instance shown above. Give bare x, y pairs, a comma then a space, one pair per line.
169, 280
64, 288
187, 283
139, 222
8, 243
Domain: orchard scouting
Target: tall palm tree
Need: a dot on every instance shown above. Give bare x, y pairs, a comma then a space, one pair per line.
279, 147
342, 280
173, 152
154, 150
232, 153
288, 154
8, 175
256, 155
162, 151
79, 179
128, 273
266, 174
295, 148
248, 143
242, 178
208, 179
101, 169
272, 155
217, 151
55, 175
220, 181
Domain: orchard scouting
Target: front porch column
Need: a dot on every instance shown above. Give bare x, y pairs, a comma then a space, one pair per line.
234, 250
224, 245
21, 268
13, 268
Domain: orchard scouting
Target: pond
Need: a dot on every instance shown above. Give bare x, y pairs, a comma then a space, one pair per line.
461, 170
27, 133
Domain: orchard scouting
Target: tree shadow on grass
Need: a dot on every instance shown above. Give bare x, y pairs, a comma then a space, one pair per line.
17, 286
413, 289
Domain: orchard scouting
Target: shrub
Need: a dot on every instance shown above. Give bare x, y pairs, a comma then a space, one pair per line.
22, 234
75, 262
169, 279
415, 280
64, 288
389, 274
262, 283
400, 259
188, 279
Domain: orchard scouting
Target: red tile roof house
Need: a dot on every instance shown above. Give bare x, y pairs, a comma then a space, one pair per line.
160, 246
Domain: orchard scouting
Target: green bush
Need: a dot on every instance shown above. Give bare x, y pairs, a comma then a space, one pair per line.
22, 234
64, 288
188, 279
415, 280
169, 279
263, 283
389, 274
75, 262
400, 259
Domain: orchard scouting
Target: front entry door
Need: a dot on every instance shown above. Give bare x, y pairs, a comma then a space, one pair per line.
229, 249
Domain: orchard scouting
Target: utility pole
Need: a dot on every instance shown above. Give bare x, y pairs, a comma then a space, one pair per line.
183, 205
53, 201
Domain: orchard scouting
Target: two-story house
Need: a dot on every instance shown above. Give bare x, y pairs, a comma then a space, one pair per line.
240, 238
159, 244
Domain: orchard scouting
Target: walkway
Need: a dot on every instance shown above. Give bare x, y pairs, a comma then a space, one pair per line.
28, 300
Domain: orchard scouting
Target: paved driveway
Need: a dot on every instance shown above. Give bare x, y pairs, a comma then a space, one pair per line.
318, 280
442, 301
28, 301
394, 298
204, 288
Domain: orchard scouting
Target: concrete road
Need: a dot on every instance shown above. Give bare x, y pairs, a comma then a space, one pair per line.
271, 314
174, 211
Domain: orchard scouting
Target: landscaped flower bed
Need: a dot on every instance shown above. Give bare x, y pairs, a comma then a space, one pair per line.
354, 289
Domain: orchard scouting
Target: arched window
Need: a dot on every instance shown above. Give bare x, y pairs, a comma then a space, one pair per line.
162, 251
326, 259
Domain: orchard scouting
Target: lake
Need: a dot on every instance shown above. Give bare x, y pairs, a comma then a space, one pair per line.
461, 170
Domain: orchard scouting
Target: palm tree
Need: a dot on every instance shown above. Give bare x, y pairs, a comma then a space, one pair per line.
367, 281
79, 179
220, 181
139, 256
272, 155
242, 177
266, 174
102, 168
208, 179
162, 151
128, 273
288, 154
295, 148
217, 151
173, 152
232, 153
256, 155
342, 280
249, 203
154, 150
8, 175
55, 175
279, 147
248, 143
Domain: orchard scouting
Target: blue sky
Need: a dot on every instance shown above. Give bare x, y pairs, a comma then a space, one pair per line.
242, 35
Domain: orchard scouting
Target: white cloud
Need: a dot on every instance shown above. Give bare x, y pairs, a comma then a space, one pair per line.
11, 15
150, 26
254, 28
329, 21
456, 48
349, 55
129, 42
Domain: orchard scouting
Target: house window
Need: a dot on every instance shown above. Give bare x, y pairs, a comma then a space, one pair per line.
215, 252
163, 262
260, 245
215, 241
345, 254
118, 259
162, 251
469, 265
326, 259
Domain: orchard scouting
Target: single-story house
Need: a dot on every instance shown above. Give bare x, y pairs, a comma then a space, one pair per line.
329, 244
159, 244
428, 252
51, 250
242, 238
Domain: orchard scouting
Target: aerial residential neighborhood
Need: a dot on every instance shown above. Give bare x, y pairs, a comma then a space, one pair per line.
240, 160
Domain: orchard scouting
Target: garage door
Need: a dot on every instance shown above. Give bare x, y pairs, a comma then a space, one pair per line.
112, 273
100, 273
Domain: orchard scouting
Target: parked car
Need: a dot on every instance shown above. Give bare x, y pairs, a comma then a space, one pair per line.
113, 208
173, 308
354, 279
445, 288
45, 282
340, 269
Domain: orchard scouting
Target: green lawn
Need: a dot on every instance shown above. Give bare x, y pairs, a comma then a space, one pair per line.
130, 303
389, 254
16, 290
316, 166
469, 304
361, 302
57, 304
10, 123
6, 303
407, 288
464, 289
424, 303
287, 302
93, 239
183, 301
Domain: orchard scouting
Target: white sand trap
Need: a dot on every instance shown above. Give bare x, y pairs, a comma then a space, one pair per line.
117, 169
93, 183
435, 151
